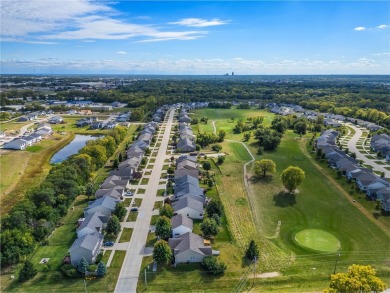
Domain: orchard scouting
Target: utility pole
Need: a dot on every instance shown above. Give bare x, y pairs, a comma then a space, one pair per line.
146, 281
337, 259
254, 271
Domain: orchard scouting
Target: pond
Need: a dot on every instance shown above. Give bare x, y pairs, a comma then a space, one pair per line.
72, 148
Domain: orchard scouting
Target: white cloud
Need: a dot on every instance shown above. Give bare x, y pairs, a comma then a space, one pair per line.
42, 21
121, 52
199, 22
381, 54
359, 28
197, 66
383, 26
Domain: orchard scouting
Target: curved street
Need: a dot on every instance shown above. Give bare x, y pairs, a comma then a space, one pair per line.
352, 148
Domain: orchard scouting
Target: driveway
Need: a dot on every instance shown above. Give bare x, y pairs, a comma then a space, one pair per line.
352, 148
128, 276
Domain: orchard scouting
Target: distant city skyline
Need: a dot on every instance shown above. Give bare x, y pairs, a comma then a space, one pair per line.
186, 37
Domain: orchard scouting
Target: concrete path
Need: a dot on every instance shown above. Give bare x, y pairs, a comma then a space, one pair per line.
352, 148
128, 276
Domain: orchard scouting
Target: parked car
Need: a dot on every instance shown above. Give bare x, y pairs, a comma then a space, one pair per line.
134, 209
108, 243
129, 193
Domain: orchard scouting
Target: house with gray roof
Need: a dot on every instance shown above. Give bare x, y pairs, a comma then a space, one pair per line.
114, 181
16, 144
365, 179
91, 224
189, 207
186, 179
185, 158
181, 224
116, 192
87, 246
188, 189
135, 151
187, 164
383, 195
183, 172
105, 205
373, 188
185, 145
55, 119
352, 175
189, 247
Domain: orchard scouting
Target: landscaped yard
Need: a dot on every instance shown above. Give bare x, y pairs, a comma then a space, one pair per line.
132, 216
126, 235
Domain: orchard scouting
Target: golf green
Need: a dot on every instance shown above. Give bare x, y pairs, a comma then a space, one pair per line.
318, 240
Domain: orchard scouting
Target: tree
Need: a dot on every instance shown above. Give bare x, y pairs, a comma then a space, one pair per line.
247, 136
162, 253
166, 210
115, 165
27, 272
206, 166
221, 135
359, 278
101, 269
171, 170
252, 251
209, 227
120, 211
113, 226
263, 166
214, 207
163, 227
213, 265
216, 147
82, 266
221, 159
292, 177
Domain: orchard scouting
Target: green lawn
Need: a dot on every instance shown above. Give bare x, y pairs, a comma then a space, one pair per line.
317, 240
141, 191
158, 204
144, 181
126, 235
138, 202
132, 216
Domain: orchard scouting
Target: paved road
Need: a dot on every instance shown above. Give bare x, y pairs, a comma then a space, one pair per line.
128, 276
352, 148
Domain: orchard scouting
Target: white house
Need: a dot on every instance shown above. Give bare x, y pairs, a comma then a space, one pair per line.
181, 224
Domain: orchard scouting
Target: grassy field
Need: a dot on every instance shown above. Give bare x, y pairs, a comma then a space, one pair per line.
23, 170
126, 235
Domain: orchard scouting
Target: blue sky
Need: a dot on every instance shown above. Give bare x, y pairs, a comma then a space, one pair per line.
185, 37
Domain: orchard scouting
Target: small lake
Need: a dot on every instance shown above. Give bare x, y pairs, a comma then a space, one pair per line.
72, 148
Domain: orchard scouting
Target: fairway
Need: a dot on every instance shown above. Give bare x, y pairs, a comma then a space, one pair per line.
318, 240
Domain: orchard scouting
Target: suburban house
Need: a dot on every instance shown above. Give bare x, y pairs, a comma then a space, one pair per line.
187, 164
87, 246
105, 205
189, 247
383, 195
184, 172
352, 175
97, 125
380, 143
135, 151
16, 144
387, 156
189, 206
373, 188
84, 122
181, 224
23, 119
91, 224
37, 136
113, 181
185, 158
116, 192
55, 119
365, 179
189, 190
186, 179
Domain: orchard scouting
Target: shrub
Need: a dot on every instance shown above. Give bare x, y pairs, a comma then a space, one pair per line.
69, 271
216, 147
92, 268
27, 272
213, 266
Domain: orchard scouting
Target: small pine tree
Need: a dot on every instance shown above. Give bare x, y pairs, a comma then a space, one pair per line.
252, 251
27, 272
82, 266
101, 270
